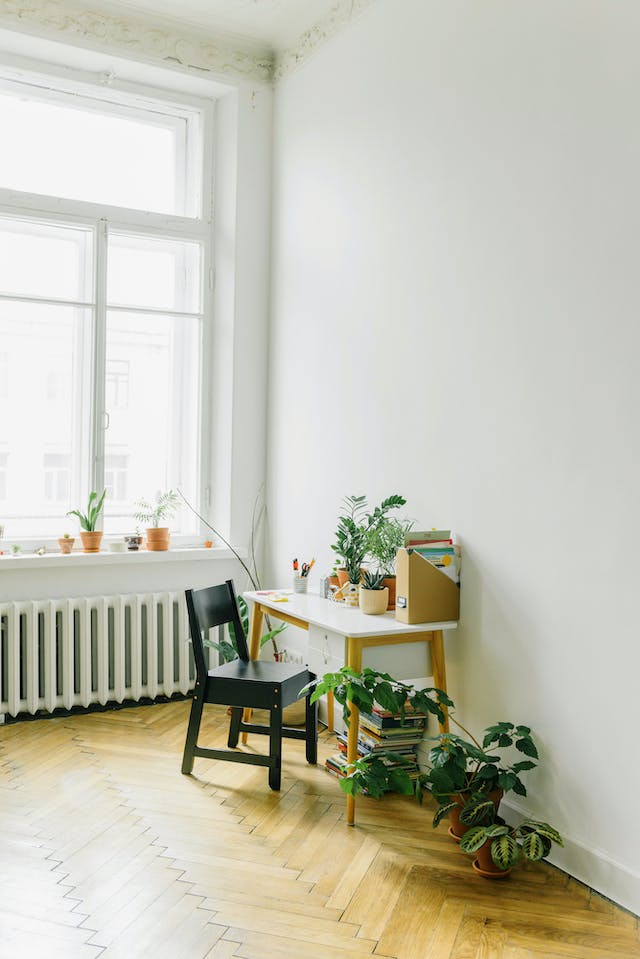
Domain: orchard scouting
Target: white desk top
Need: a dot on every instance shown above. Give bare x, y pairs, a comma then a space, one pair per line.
336, 617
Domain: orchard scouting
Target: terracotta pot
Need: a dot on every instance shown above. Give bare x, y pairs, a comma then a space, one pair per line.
158, 538
91, 540
374, 602
484, 864
457, 829
390, 583
66, 544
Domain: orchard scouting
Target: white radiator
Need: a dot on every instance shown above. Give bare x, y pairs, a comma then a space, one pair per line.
60, 653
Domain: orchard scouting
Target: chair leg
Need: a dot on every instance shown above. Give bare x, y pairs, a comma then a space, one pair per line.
311, 727
275, 748
234, 727
192, 734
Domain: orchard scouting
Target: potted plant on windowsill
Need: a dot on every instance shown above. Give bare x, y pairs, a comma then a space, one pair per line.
90, 536
66, 543
151, 514
374, 597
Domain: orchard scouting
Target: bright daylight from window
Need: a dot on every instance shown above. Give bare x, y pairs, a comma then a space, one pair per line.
100, 314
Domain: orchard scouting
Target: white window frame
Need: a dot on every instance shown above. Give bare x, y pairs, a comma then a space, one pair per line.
198, 158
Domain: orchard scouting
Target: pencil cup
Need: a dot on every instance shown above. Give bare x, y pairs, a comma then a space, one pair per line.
300, 584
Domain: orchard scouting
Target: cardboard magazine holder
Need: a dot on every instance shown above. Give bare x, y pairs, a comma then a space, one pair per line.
424, 594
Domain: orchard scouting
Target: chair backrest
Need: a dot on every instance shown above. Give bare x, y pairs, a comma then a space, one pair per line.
209, 607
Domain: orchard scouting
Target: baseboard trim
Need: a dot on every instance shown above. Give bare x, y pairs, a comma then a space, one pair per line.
591, 866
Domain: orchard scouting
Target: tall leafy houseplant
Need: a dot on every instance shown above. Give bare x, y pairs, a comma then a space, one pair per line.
151, 514
90, 536
353, 529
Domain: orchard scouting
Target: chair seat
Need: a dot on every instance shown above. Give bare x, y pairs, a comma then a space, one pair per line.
256, 684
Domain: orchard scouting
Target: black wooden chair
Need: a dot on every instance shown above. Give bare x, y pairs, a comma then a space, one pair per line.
243, 683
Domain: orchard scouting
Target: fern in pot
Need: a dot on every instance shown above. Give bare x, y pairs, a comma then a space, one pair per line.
151, 515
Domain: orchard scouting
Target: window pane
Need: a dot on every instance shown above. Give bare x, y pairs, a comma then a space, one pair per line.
42, 433
37, 259
83, 149
151, 445
160, 274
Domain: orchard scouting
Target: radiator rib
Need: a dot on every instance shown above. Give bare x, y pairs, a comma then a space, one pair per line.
63, 653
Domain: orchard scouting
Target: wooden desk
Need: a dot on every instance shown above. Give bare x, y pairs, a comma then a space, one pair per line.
360, 631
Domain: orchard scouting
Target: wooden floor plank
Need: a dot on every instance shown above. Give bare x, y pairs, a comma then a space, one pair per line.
109, 851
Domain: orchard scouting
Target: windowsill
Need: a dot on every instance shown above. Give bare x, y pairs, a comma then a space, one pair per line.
107, 558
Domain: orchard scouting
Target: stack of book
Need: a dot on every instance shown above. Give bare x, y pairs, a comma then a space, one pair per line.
383, 734
437, 546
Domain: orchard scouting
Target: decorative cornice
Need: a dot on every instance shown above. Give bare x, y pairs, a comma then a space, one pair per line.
339, 17
142, 37
159, 40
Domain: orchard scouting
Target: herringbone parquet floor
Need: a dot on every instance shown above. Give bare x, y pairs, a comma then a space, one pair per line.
108, 851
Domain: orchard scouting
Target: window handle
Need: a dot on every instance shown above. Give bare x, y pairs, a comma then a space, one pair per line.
106, 420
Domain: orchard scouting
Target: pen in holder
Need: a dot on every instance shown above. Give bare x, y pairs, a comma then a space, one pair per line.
300, 584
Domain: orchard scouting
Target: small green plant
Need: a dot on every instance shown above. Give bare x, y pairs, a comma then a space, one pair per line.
228, 648
372, 579
384, 538
165, 506
531, 839
66, 536
89, 519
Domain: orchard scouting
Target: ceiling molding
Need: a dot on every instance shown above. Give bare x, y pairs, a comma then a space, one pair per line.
167, 42
340, 16
139, 36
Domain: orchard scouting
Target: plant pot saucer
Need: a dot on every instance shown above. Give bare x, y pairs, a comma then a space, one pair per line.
453, 835
490, 873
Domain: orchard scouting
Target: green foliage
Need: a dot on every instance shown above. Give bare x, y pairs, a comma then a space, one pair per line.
462, 766
89, 519
376, 775
385, 537
228, 648
372, 579
536, 839
165, 506
363, 689
354, 526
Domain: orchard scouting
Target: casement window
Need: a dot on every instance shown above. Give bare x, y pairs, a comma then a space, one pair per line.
104, 244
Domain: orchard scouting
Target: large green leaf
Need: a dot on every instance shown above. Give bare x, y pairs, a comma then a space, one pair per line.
473, 839
527, 746
443, 810
533, 846
504, 851
543, 828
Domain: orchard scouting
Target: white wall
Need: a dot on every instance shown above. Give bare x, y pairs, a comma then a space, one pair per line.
455, 306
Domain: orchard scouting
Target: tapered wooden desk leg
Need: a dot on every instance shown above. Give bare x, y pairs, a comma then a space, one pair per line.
439, 672
354, 659
255, 632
